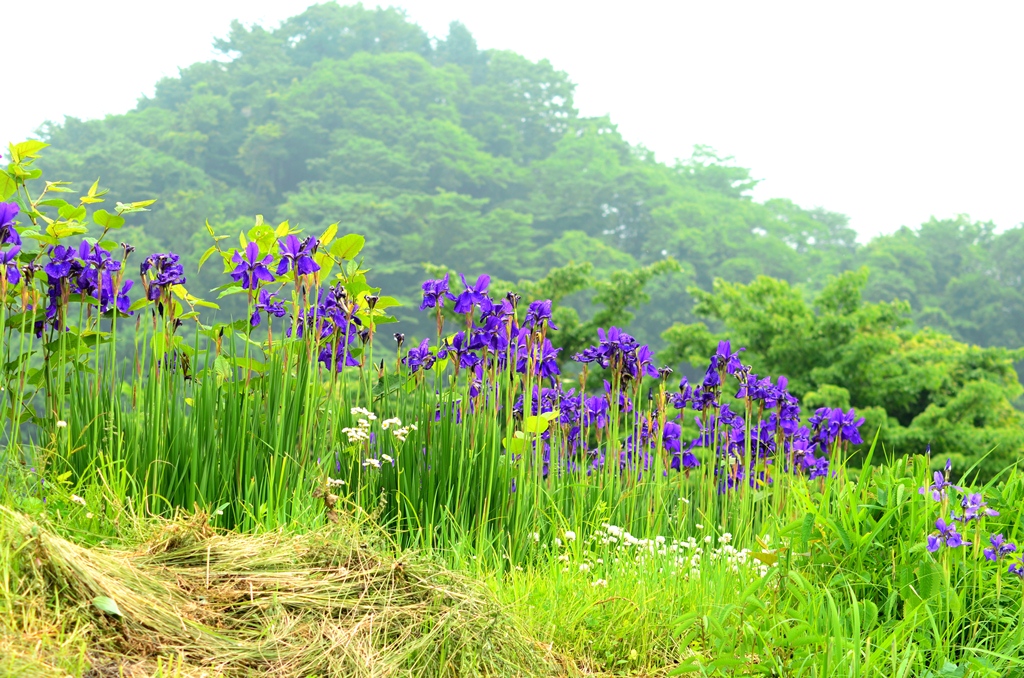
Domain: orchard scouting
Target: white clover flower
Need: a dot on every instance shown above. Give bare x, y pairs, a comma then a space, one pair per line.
78, 500
558, 542
725, 538
584, 567
536, 536
707, 539
699, 526
62, 424
599, 582
659, 540
570, 535
564, 557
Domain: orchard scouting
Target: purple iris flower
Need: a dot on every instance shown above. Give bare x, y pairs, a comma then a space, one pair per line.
340, 357
165, 271
473, 295
9, 261
539, 312
61, 260
419, 357
726, 358
458, 348
123, 303
974, 507
1017, 568
595, 411
8, 212
268, 303
297, 255
679, 400
1000, 548
251, 268
947, 536
938, 489
435, 292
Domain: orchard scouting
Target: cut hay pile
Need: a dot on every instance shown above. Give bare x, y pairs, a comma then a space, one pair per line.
223, 604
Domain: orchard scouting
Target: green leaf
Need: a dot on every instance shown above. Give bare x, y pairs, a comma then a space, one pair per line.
58, 230
8, 186
106, 220
72, 213
535, 424
206, 255
805, 532
139, 303
107, 605
328, 235
27, 149
348, 246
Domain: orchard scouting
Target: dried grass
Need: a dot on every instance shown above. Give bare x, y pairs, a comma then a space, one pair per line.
335, 603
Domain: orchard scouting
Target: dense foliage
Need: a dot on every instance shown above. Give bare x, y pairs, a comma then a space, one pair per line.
918, 389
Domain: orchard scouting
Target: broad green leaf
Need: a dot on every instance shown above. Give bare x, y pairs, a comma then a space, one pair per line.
282, 229
106, 220
107, 604
8, 186
535, 424
26, 149
348, 246
72, 213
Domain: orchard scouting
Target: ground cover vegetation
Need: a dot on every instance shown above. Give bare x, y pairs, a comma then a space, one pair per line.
621, 518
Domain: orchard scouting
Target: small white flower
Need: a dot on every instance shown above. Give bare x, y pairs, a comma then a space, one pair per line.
372, 462
725, 538
707, 539
388, 423
564, 557
659, 540
536, 536
356, 435
558, 542
336, 482
699, 526
62, 424
89, 514
388, 459
570, 535
584, 567
78, 500
599, 582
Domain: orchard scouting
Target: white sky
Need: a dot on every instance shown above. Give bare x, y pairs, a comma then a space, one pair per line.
889, 112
